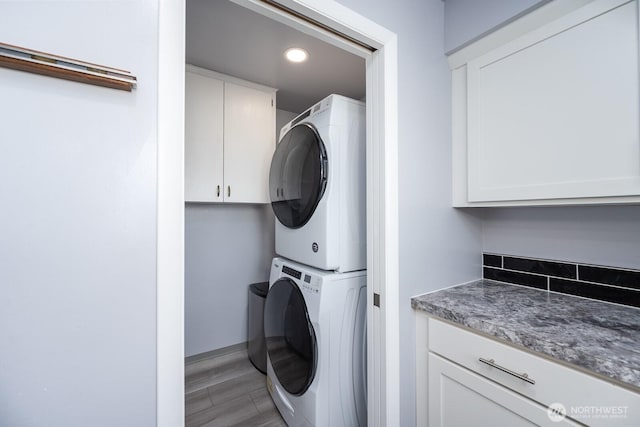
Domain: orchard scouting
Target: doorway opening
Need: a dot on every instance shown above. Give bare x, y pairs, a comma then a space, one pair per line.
382, 251
229, 242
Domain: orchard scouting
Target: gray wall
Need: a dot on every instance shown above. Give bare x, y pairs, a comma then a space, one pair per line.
439, 245
605, 235
78, 221
597, 235
282, 118
465, 20
227, 247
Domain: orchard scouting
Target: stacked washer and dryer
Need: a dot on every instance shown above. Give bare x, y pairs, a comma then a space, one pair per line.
314, 316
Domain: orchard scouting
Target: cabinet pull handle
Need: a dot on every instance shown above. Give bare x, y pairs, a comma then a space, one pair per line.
493, 364
228, 191
218, 193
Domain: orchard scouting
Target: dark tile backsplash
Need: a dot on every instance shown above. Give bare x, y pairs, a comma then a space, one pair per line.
548, 268
492, 260
599, 292
610, 276
589, 281
525, 279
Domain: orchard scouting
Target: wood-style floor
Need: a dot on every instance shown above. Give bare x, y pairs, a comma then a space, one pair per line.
226, 390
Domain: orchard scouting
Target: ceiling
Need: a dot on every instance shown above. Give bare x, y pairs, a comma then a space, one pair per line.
233, 40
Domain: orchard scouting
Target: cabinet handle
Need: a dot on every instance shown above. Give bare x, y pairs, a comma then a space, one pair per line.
493, 364
218, 193
228, 191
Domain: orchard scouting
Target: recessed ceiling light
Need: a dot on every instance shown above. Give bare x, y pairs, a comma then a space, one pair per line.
296, 54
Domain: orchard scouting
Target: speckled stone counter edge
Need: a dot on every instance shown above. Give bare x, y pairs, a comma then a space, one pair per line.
598, 341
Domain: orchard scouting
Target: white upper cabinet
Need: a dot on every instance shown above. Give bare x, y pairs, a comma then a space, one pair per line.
203, 153
249, 126
229, 138
550, 116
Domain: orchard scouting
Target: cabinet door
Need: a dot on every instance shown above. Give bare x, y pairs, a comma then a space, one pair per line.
554, 114
249, 132
203, 149
459, 397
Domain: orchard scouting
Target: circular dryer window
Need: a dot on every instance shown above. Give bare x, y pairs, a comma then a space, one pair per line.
290, 338
298, 175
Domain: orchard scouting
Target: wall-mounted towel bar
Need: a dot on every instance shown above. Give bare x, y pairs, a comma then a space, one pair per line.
33, 61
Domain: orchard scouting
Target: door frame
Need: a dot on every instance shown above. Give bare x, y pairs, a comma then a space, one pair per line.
383, 349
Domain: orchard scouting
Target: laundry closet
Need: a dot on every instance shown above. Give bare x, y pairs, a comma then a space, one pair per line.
240, 92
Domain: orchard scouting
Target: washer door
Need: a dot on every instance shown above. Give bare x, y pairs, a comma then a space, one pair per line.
298, 175
290, 338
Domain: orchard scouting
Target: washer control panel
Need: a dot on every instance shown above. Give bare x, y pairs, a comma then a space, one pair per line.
305, 281
310, 284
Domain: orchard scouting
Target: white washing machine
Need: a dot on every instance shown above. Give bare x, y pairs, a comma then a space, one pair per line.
317, 186
314, 324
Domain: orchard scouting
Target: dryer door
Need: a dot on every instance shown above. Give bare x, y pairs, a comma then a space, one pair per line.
298, 175
290, 338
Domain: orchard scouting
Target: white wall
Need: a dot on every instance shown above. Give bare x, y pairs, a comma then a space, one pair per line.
78, 220
439, 245
227, 247
465, 20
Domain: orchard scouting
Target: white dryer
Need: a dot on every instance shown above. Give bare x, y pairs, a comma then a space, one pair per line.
314, 323
317, 186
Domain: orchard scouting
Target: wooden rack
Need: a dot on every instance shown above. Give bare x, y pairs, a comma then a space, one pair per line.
33, 61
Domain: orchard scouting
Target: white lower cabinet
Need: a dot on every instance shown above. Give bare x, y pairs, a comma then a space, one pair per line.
459, 397
509, 386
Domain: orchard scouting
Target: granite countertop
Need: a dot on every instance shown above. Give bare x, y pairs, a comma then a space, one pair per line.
601, 337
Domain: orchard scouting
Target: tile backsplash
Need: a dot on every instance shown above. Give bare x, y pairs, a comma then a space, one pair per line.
621, 286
